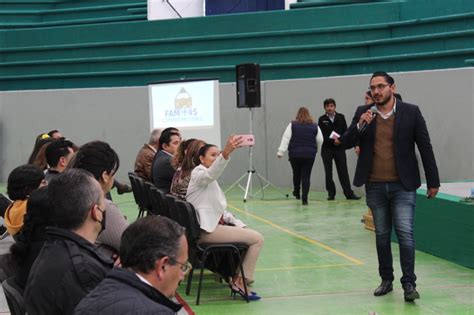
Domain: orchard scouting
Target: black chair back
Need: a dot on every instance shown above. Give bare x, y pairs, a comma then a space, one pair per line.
136, 193
188, 219
143, 200
14, 296
159, 204
173, 213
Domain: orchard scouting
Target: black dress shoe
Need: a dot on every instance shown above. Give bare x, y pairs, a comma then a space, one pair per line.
123, 188
409, 292
296, 194
385, 287
353, 197
331, 197
304, 201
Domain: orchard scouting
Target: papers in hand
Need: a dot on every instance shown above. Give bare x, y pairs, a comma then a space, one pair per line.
334, 135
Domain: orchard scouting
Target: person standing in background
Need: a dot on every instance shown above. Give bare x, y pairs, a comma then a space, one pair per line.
333, 125
303, 139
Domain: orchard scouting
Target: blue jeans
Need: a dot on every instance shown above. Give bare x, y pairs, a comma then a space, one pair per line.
391, 204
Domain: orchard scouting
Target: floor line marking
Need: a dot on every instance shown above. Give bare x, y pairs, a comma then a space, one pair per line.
304, 267
302, 237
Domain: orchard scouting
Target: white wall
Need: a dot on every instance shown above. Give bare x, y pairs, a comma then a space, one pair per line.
160, 10
120, 117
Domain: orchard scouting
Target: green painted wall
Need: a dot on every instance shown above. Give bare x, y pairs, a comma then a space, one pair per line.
313, 42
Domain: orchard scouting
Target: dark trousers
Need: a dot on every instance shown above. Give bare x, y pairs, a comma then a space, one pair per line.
393, 205
302, 175
339, 157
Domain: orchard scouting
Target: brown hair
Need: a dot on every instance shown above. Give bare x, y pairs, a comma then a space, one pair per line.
189, 162
179, 155
39, 160
303, 116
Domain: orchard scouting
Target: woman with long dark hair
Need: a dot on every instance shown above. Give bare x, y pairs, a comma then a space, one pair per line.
302, 138
184, 167
218, 225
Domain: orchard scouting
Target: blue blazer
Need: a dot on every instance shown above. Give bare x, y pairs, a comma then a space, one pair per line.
410, 128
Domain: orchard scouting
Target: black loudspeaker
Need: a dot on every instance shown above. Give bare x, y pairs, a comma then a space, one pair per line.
248, 85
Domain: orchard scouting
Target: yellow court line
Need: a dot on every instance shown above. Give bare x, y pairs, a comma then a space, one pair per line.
304, 267
302, 237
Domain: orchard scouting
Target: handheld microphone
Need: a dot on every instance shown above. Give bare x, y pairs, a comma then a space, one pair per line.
364, 125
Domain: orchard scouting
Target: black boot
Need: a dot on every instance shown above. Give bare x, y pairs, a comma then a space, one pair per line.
304, 201
296, 194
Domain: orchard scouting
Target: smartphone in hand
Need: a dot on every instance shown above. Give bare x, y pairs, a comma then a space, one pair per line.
247, 140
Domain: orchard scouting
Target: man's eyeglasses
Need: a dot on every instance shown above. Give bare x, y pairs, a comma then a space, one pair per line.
185, 267
100, 209
378, 87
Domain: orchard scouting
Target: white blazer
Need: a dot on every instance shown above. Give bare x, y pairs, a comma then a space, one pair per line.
205, 194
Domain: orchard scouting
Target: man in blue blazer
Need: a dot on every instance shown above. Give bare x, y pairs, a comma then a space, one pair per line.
387, 133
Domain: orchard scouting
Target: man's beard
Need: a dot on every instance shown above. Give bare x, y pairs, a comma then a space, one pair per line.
384, 101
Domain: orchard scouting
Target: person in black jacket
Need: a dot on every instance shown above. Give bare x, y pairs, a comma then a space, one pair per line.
388, 167
69, 266
333, 125
32, 236
154, 256
162, 171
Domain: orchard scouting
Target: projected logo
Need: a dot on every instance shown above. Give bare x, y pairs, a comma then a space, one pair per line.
183, 99
189, 104
183, 108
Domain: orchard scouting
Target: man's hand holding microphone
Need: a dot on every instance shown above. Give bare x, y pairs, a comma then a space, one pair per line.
366, 118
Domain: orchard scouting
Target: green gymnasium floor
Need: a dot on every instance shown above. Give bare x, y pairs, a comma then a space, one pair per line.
319, 259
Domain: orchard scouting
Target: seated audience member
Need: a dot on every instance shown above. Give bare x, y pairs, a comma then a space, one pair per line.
102, 162
38, 155
58, 154
184, 164
162, 169
55, 134
218, 225
145, 156
69, 266
21, 182
154, 256
32, 236
40, 137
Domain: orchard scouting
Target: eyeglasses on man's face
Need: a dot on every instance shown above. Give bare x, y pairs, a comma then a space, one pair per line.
378, 87
185, 267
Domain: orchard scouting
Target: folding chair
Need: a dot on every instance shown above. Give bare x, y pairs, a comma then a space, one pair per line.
139, 194
199, 252
159, 205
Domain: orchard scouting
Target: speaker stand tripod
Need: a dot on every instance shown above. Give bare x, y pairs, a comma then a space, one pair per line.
264, 183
